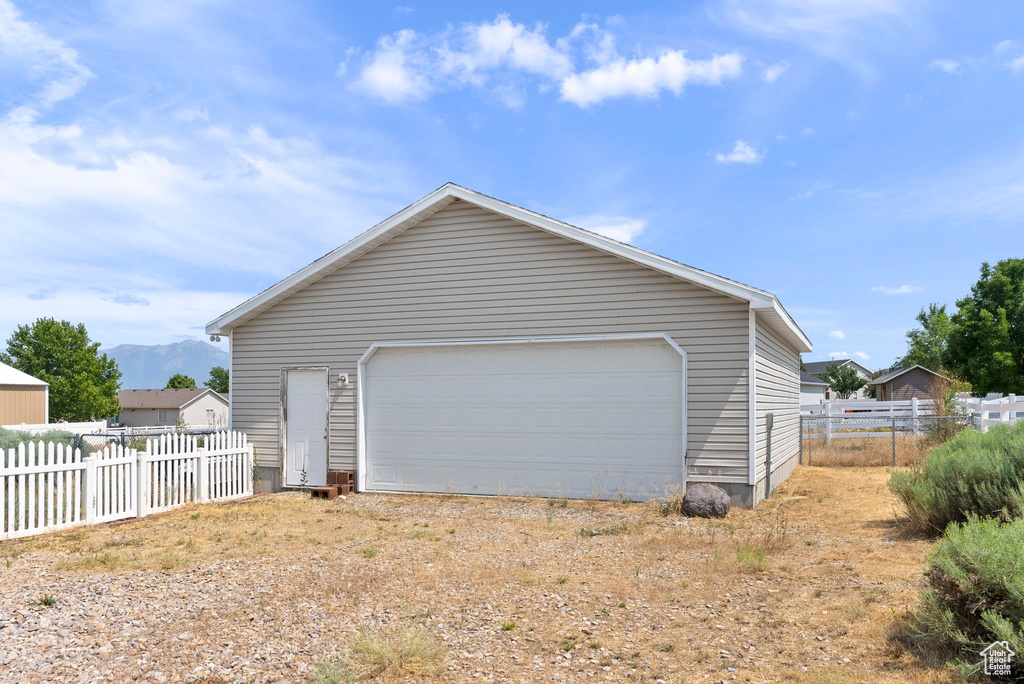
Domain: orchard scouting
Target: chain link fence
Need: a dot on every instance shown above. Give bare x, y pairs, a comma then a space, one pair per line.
133, 438
879, 440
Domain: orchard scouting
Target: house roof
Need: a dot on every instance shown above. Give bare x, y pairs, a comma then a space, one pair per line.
13, 376
764, 303
162, 398
808, 379
896, 372
815, 367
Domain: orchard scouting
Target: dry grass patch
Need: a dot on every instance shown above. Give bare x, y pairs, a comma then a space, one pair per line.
403, 650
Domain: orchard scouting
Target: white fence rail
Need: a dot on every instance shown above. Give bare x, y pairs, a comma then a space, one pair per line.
847, 419
51, 487
77, 428
998, 411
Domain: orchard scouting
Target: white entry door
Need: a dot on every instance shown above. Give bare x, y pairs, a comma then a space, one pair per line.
305, 413
573, 418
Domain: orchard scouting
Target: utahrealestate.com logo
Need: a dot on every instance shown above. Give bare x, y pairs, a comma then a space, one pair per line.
998, 659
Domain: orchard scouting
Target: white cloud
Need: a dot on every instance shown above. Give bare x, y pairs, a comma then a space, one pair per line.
839, 354
902, 289
837, 335
48, 59
491, 45
808, 132
403, 9
192, 113
861, 355
184, 208
407, 66
948, 66
771, 74
1005, 45
621, 228
742, 153
837, 29
395, 71
1016, 65
647, 77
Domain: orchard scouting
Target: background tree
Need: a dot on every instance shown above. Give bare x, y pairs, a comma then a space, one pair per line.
83, 382
179, 381
219, 378
926, 346
986, 342
843, 380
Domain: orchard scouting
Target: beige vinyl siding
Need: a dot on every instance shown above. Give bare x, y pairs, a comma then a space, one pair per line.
147, 417
195, 413
465, 272
22, 404
777, 381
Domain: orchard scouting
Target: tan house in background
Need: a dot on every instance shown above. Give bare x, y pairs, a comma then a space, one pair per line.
23, 398
200, 407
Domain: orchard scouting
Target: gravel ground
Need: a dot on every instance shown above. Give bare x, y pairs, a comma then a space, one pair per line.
263, 590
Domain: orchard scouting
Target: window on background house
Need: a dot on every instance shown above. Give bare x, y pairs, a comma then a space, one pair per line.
209, 414
161, 415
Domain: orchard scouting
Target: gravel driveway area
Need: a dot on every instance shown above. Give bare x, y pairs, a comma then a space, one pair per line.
802, 589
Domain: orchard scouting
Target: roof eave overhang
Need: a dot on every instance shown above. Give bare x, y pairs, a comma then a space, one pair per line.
766, 304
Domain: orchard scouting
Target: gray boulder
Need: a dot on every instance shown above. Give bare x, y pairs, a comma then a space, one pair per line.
704, 500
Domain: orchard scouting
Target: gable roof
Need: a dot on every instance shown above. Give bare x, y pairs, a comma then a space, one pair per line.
808, 379
764, 303
896, 372
162, 398
13, 376
816, 367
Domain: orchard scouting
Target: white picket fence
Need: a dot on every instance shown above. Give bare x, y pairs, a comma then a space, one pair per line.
998, 411
47, 487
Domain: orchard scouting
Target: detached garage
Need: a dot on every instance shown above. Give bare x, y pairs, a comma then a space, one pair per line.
469, 346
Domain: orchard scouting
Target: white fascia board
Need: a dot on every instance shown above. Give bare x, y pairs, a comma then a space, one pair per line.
443, 195
196, 398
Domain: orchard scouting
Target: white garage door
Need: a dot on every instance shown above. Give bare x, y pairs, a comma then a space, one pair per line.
578, 419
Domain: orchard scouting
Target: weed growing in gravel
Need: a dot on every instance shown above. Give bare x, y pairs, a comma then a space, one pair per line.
369, 552
751, 556
404, 650
664, 647
330, 673
562, 579
47, 601
508, 626
568, 644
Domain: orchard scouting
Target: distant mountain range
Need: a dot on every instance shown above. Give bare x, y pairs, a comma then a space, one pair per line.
150, 366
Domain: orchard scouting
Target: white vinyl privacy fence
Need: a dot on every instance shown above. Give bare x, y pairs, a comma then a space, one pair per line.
46, 487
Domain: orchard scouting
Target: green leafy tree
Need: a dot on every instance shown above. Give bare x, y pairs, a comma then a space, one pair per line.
843, 380
926, 346
83, 382
219, 378
179, 381
986, 342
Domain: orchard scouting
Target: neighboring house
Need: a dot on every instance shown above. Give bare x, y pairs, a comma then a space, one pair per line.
900, 384
23, 398
200, 407
467, 345
812, 389
816, 368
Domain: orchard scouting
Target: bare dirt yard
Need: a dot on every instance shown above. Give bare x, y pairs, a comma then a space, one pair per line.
804, 589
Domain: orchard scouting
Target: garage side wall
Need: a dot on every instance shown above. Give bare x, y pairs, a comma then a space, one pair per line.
22, 404
464, 273
777, 382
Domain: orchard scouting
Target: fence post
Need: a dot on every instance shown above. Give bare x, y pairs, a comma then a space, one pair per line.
204, 476
90, 489
828, 423
801, 461
250, 458
141, 485
893, 441
914, 412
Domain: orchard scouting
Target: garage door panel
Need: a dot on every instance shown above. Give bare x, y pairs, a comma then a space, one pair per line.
558, 419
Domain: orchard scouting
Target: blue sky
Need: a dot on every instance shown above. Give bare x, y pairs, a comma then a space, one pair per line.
162, 161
